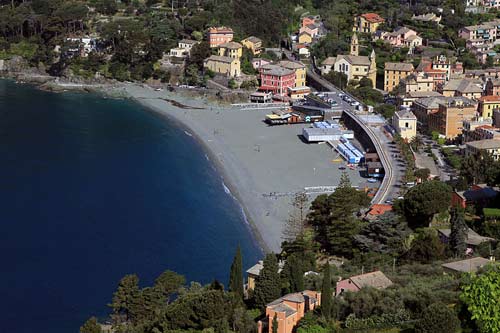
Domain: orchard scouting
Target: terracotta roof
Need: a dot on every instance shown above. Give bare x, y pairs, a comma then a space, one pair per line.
375, 280
379, 209
213, 30
490, 98
373, 17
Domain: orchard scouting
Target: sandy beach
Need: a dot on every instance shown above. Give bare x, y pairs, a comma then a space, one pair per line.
255, 159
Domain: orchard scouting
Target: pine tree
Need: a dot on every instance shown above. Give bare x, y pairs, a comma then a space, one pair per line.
296, 274
125, 299
275, 324
326, 293
267, 285
236, 274
91, 326
296, 222
458, 234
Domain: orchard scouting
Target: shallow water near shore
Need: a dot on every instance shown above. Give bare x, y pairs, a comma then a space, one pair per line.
93, 189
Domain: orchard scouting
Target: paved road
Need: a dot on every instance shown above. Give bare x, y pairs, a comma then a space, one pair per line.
394, 168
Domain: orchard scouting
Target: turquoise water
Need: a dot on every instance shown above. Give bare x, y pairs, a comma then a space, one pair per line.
92, 189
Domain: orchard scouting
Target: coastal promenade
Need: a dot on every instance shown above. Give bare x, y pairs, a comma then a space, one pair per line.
387, 190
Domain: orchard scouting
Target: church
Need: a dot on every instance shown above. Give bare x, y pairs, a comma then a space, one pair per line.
354, 66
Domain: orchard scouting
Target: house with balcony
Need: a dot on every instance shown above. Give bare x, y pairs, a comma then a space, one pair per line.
231, 49
423, 107
219, 35
183, 48
276, 79
448, 120
401, 37
299, 69
254, 44
394, 72
487, 104
367, 23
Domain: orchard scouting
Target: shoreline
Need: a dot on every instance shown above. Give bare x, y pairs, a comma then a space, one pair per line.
212, 158
262, 166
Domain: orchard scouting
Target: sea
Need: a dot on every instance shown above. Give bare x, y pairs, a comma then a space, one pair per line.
92, 189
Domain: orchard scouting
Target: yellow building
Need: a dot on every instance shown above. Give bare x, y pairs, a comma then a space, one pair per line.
223, 65
419, 82
367, 23
405, 124
305, 38
394, 72
356, 67
231, 49
487, 104
299, 69
253, 43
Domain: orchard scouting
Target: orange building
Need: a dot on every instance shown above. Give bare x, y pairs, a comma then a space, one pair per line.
219, 35
289, 309
448, 120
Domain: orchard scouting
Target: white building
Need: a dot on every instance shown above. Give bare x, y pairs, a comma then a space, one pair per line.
183, 49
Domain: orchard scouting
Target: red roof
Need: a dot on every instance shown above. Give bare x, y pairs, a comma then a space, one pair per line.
379, 209
373, 17
490, 98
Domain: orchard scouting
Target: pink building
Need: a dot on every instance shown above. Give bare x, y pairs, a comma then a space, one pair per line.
276, 79
219, 35
402, 36
355, 283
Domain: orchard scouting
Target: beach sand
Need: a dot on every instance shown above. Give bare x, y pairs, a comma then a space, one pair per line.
255, 159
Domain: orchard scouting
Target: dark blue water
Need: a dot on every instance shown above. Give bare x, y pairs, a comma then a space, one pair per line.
92, 189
